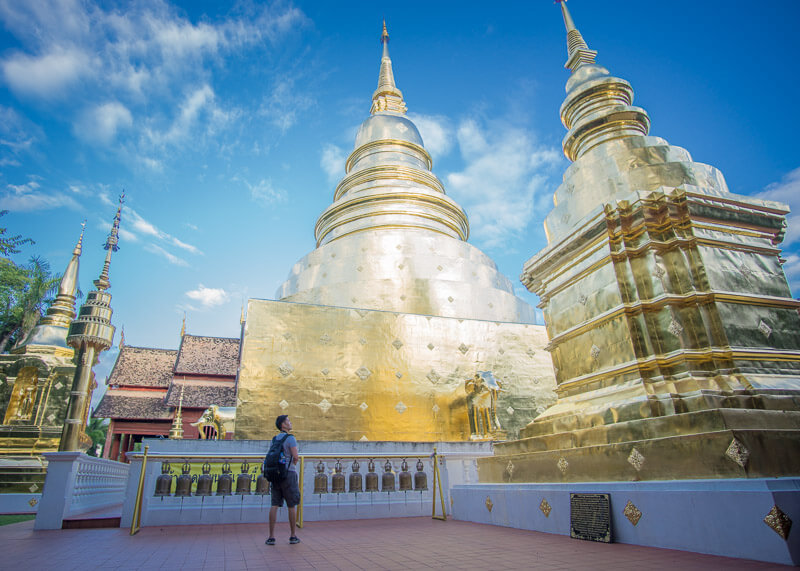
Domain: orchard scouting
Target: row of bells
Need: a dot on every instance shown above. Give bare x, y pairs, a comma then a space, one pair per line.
371, 480
183, 484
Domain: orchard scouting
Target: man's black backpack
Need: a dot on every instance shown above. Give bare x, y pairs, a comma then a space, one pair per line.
275, 465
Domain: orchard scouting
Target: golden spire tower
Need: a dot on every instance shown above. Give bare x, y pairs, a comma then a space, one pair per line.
672, 327
90, 334
51, 331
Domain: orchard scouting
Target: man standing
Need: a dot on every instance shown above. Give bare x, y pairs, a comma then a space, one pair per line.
289, 488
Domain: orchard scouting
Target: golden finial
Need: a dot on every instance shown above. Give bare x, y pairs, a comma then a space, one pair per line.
122, 337
385, 34
176, 432
578, 52
241, 317
183, 326
102, 283
79, 245
387, 97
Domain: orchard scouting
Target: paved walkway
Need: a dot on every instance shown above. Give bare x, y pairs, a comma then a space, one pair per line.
402, 543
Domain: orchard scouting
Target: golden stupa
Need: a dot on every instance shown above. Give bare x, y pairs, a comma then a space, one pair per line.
377, 331
674, 336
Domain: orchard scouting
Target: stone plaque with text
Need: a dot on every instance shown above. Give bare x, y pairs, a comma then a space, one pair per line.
590, 517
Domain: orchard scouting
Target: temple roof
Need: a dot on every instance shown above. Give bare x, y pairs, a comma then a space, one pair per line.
143, 367
217, 356
202, 396
133, 404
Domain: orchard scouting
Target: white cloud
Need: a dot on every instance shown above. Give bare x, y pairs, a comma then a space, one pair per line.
792, 269
29, 197
284, 103
137, 224
787, 191
503, 180
46, 76
332, 162
208, 297
263, 192
436, 131
171, 258
101, 123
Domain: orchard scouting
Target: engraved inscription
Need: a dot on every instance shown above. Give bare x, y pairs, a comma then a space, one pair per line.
590, 517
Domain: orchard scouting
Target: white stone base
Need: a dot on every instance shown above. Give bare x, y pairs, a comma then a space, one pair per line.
717, 517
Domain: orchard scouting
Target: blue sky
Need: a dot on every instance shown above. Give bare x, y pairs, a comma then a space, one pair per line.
228, 125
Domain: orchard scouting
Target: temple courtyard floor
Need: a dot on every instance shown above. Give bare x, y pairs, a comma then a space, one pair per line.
401, 543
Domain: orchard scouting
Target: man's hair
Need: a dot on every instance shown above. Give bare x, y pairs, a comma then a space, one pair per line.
279, 421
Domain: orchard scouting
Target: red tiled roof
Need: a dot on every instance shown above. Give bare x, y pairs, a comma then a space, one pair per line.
133, 405
202, 396
143, 367
217, 356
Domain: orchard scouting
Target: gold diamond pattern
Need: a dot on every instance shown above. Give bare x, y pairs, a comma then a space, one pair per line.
583, 299
283, 404
363, 373
325, 339
463, 348
325, 371
397, 344
362, 341
659, 271
285, 369
433, 376
510, 410
675, 328
779, 522
287, 335
563, 465
58, 385
636, 459
632, 513
530, 352
399, 375
33, 488
32, 502
489, 504
450, 298
431, 346
765, 329
595, 352
738, 453
545, 508
510, 470
400, 407
324, 405
363, 406
435, 408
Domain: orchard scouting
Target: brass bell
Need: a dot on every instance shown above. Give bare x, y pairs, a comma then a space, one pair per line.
321, 479
183, 487
337, 480
356, 480
244, 480
205, 481
164, 481
225, 481
404, 477
372, 478
387, 480
420, 477
262, 485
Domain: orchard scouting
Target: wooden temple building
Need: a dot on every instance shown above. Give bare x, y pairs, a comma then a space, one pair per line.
145, 387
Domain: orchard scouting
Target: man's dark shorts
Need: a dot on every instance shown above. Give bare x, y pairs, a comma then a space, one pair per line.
288, 490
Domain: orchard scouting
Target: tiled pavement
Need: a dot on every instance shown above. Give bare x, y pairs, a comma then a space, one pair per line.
402, 543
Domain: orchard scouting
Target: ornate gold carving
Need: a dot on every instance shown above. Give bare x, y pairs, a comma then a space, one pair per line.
583, 299
765, 329
32, 502
463, 348
510, 470
675, 328
632, 513
324, 405
397, 344
363, 406
33, 488
738, 453
779, 522
545, 508
285, 369
563, 465
283, 404
433, 376
325, 371
489, 504
363, 373
435, 408
595, 352
400, 407
636, 459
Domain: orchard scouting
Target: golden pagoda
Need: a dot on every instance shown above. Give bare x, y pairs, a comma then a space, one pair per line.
380, 331
35, 380
674, 336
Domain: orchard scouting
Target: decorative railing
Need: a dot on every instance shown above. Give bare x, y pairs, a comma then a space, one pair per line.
200, 479
98, 483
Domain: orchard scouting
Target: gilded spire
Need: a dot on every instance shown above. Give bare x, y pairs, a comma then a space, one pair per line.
102, 283
122, 337
176, 432
578, 52
387, 97
183, 325
52, 328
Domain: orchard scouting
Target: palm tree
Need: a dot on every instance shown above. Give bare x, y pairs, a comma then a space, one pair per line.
96, 429
26, 293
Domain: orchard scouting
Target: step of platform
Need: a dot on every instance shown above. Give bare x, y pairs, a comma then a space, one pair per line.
98, 519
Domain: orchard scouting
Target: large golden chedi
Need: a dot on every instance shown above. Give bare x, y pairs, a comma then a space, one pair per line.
674, 336
378, 329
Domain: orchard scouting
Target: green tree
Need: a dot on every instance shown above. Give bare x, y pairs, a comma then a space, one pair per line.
10, 244
96, 429
25, 294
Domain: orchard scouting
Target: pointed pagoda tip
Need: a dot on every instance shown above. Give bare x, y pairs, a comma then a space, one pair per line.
385, 33
568, 23
183, 325
79, 246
